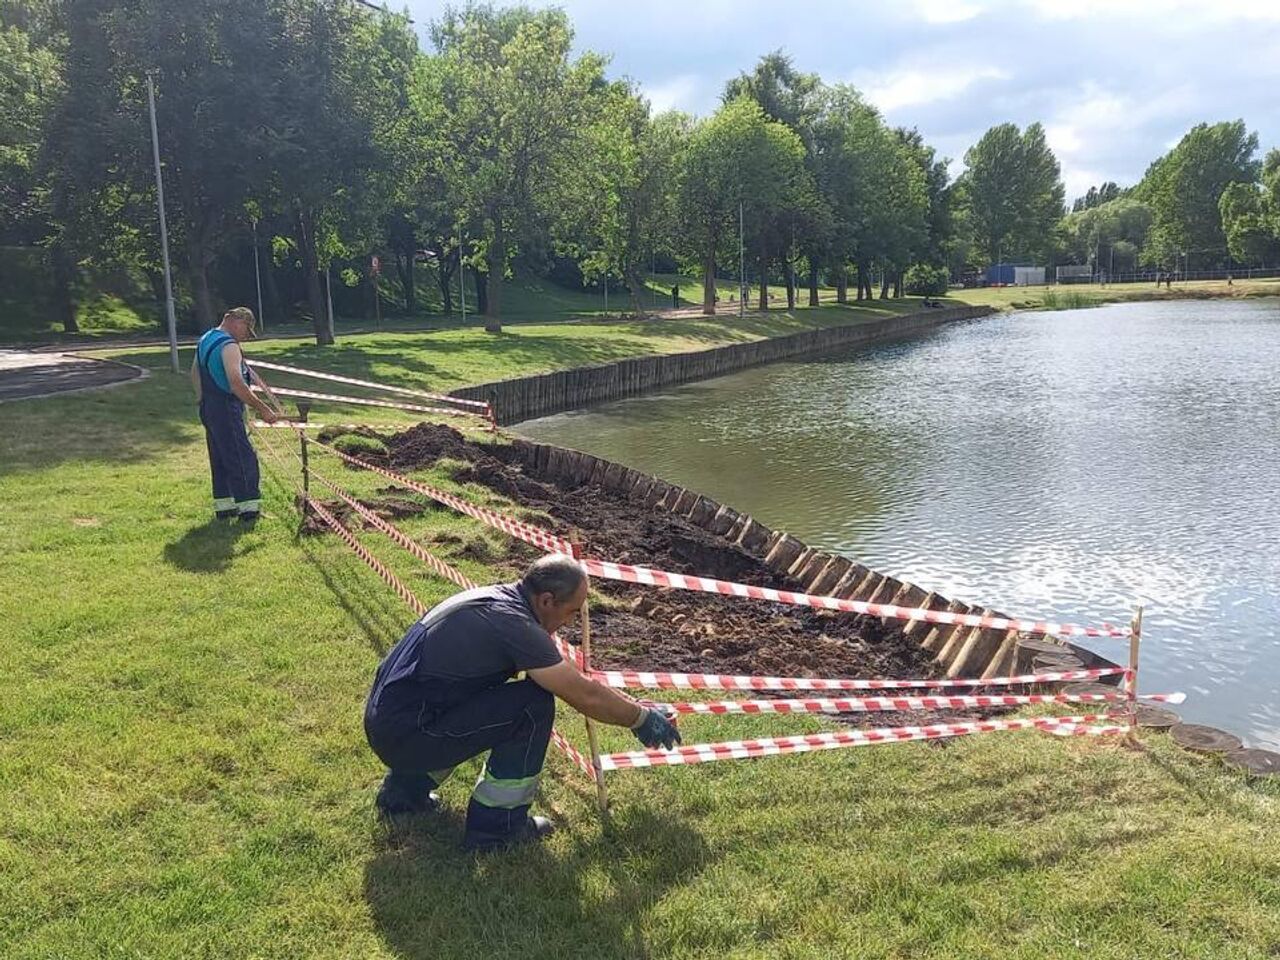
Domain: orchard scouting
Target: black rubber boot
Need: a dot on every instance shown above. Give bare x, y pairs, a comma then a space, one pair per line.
392, 803
534, 829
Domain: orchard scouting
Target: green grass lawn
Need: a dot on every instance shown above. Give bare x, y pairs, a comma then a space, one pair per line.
1091, 294
183, 772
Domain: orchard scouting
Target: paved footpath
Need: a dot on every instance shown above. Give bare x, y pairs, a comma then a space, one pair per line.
24, 375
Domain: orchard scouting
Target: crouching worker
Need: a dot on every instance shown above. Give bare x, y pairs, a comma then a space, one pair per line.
444, 694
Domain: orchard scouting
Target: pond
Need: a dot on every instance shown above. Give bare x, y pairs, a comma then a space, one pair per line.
1061, 464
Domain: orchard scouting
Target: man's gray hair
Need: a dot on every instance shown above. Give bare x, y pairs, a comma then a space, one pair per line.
555, 574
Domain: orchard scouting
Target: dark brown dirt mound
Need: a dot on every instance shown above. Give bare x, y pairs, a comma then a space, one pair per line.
426, 443
649, 629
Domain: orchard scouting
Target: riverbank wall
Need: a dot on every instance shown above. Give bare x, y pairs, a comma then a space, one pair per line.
959, 651
524, 398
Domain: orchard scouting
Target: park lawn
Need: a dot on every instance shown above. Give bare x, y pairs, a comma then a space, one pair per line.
1075, 295
450, 357
182, 768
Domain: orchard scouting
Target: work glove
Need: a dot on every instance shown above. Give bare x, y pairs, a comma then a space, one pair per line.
654, 729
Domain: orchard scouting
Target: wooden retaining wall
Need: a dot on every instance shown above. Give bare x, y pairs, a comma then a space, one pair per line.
960, 651
524, 398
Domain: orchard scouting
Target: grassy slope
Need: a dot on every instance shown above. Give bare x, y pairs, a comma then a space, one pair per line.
1086, 294
182, 771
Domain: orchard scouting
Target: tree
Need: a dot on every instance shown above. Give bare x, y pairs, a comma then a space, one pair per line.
515, 109
1096, 231
30, 85
737, 159
1014, 192
1096, 196
1249, 224
1184, 186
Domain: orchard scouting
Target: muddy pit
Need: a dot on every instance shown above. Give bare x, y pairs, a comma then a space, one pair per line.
646, 628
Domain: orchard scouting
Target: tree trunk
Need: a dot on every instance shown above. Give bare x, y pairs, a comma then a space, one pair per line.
64, 304
198, 269
813, 282
884, 284
635, 283
897, 284
407, 279
497, 265
864, 281
481, 280
709, 284
269, 281
764, 277
444, 279
311, 271
842, 284
791, 284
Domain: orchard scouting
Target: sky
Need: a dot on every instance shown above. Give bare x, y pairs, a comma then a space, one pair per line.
1116, 83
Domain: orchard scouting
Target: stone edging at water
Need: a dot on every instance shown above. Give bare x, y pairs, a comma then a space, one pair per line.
524, 398
958, 650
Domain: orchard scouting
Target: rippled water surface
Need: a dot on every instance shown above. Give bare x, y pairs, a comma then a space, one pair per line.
1064, 464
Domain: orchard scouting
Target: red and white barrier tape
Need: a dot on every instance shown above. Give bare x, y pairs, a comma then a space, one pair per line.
663, 578
355, 381
773, 746
396, 534
581, 762
392, 581
516, 528
298, 425
367, 402
646, 680
875, 704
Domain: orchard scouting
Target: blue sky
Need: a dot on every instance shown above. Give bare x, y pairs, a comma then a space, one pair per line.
1115, 82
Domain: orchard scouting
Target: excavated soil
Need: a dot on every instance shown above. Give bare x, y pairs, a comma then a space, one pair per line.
645, 628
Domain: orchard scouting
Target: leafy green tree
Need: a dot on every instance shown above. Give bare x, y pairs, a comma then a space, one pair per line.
516, 109
1096, 196
1093, 232
30, 84
1249, 223
737, 159
1184, 186
1014, 192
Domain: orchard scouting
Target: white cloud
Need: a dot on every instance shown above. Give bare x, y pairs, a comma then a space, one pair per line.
1159, 11
912, 87
945, 11
677, 93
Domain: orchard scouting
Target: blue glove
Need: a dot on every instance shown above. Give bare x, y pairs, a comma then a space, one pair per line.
655, 730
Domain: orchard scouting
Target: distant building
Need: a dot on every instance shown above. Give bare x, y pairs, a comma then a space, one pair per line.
1015, 275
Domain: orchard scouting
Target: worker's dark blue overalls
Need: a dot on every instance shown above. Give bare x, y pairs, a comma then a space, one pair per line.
231, 458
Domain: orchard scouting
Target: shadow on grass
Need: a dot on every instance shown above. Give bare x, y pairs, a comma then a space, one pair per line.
428, 899
207, 548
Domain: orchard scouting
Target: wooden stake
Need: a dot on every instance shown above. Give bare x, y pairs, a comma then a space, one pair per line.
304, 410
602, 794
1131, 679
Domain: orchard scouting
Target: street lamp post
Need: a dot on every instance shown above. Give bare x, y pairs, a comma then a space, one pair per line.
164, 230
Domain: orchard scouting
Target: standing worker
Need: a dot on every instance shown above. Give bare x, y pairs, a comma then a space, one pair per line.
444, 694
221, 379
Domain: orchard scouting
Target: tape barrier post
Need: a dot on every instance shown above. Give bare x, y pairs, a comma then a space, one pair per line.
1131, 677
602, 794
304, 410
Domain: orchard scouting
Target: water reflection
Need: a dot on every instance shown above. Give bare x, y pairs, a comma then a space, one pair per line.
1062, 464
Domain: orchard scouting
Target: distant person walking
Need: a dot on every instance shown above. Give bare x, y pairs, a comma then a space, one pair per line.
221, 379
